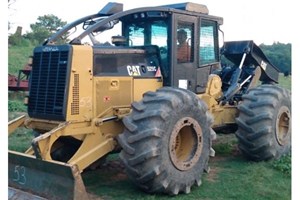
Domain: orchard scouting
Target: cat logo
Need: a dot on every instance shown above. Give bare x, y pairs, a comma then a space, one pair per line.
133, 70
263, 65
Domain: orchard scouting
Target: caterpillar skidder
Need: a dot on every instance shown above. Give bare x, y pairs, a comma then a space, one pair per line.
90, 97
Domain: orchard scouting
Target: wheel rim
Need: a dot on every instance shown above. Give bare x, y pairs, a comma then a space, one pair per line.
186, 143
283, 125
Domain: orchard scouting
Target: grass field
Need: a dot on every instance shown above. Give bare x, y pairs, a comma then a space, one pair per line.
17, 57
285, 82
231, 177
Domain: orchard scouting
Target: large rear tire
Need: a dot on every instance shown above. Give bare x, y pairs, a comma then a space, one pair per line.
167, 141
264, 123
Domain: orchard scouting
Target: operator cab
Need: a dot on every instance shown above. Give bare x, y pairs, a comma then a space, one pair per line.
163, 29
147, 42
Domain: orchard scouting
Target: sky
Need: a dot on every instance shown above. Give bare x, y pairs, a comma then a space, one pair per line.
263, 21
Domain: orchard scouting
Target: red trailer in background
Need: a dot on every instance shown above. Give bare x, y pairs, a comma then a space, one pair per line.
20, 83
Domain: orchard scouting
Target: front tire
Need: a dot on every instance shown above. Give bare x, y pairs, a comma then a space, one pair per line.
167, 141
264, 123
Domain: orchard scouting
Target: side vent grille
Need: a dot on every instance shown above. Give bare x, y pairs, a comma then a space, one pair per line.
75, 100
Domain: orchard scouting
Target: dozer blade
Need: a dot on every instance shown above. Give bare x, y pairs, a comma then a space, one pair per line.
50, 180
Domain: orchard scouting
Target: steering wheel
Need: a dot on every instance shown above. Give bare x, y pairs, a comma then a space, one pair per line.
163, 50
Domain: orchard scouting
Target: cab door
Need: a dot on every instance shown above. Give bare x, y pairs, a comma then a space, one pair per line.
184, 57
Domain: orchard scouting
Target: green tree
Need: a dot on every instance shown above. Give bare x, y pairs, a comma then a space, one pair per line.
44, 27
279, 55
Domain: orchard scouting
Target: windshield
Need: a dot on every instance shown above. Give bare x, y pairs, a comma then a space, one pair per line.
150, 32
147, 33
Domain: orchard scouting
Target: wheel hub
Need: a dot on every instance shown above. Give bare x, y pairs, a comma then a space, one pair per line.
186, 143
283, 125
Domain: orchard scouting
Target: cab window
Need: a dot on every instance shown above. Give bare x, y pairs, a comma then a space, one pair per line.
185, 42
150, 32
208, 42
